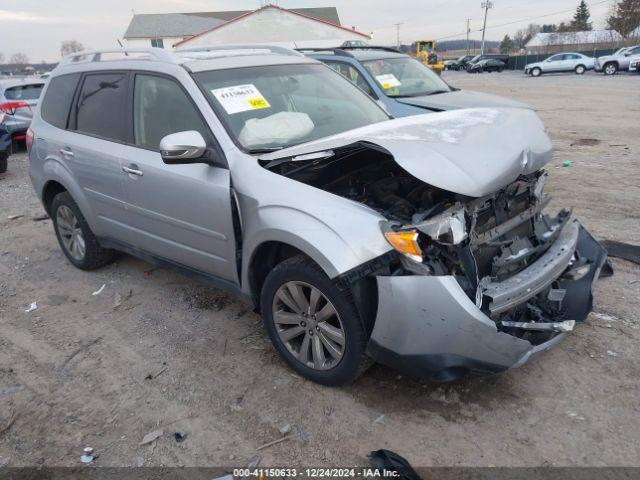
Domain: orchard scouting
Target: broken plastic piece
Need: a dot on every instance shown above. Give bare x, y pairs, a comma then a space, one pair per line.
88, 455
31, 308
566, 326
99, 291
448, 228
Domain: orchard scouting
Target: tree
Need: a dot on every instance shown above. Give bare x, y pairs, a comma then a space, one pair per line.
70, 46
580, 22
624, 17
522, 36
506, 45
19, 59
551, 28
1, 57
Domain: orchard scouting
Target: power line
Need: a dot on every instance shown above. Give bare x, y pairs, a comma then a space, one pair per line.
595, 4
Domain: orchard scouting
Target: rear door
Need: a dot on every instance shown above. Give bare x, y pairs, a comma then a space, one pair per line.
94, 146
181, 213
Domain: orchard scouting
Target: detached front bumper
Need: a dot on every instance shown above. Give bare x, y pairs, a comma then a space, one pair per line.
427, 326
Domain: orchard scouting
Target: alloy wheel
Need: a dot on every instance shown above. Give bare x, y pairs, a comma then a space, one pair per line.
308, 325
610, 69
70, 232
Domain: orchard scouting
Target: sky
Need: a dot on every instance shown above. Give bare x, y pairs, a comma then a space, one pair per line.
37, 27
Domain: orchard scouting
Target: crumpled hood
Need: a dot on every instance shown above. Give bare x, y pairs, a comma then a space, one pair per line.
461, 99
472, 152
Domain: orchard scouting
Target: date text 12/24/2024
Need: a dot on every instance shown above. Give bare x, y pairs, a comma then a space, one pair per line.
267, 473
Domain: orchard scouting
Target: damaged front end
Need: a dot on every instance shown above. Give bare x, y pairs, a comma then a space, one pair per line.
478, 281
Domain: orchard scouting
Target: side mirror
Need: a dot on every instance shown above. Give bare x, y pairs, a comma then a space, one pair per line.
183, 147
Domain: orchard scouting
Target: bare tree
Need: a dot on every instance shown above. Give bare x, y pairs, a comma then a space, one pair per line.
1, 57
70, 46
19, 59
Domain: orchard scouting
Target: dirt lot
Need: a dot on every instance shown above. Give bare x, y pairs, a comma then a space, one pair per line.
73, 371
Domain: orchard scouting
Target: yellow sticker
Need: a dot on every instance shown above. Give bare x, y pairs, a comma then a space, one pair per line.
257, 103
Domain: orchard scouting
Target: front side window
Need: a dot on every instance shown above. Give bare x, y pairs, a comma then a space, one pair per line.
276, 106
556, 58
352, 74
405, 77
161, 107
56, 103
24, 92
101, 105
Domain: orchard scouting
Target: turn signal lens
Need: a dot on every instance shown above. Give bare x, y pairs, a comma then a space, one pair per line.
405, 242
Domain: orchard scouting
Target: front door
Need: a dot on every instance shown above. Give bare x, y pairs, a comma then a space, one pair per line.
181, 213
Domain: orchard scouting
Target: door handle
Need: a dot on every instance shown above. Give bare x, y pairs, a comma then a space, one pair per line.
66, 152
132, 171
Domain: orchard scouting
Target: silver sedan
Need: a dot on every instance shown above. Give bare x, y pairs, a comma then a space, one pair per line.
561, 62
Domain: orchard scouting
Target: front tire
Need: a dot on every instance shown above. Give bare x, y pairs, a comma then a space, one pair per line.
580, 69
76, 239
536, 72
313, 325
610, 68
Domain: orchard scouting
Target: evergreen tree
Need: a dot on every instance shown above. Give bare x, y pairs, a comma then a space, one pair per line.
625, 16
580, 22
506, 45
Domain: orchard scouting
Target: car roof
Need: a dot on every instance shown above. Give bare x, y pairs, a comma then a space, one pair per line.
197, 59
14, 82
361, 54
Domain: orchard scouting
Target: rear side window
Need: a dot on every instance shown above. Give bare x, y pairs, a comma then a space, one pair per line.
24, 92
161, 107
101, 105
57, 101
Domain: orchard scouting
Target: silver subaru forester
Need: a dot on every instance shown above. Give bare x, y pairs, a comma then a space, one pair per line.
420, 242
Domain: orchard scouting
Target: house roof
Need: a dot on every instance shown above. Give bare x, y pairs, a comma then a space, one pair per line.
189, 24
573, 38
291, 11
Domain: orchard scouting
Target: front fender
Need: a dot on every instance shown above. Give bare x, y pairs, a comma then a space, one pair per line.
335, 250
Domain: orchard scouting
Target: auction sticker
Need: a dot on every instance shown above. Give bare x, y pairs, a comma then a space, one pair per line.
388, 81
240, 98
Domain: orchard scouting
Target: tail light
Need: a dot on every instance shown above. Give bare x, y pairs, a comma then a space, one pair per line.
11, 107
29, 140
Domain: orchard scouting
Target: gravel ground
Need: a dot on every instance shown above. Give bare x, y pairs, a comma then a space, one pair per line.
75, 371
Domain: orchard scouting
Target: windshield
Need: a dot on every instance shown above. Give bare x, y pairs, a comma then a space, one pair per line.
24, 92
405, 77
277, 106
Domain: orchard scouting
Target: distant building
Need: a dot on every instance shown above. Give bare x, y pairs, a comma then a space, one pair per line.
582, 41
302, 27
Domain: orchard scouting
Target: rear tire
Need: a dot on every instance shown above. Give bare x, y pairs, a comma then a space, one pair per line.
297, 332
77, 241
3, 162
536, 72
580, 69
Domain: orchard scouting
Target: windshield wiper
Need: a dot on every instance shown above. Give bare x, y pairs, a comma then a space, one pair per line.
419, 94
255, 151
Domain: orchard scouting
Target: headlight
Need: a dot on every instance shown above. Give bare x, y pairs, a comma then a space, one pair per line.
405, 242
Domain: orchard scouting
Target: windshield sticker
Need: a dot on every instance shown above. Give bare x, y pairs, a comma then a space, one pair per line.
388, 81
241, 98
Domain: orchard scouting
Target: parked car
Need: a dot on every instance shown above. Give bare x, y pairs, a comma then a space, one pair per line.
561, 62
611, 64
458, 64
634, 64
18, 98
496, 56
403, 85
418, 242
486, 65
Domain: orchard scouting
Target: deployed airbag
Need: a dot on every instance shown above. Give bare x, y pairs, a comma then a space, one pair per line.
279, 128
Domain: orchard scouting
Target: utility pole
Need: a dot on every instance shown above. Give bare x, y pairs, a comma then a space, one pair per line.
468, 30
486, 5
398, 34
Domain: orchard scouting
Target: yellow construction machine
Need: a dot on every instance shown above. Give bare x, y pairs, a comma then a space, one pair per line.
425, 51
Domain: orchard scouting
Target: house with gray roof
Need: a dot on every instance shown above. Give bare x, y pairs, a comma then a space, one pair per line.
289, 25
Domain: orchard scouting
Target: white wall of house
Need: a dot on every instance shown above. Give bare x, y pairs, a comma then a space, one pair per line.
275, 26
168, 42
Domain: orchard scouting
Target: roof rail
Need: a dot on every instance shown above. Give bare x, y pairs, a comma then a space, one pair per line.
335, 51
276, 49
158, 54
